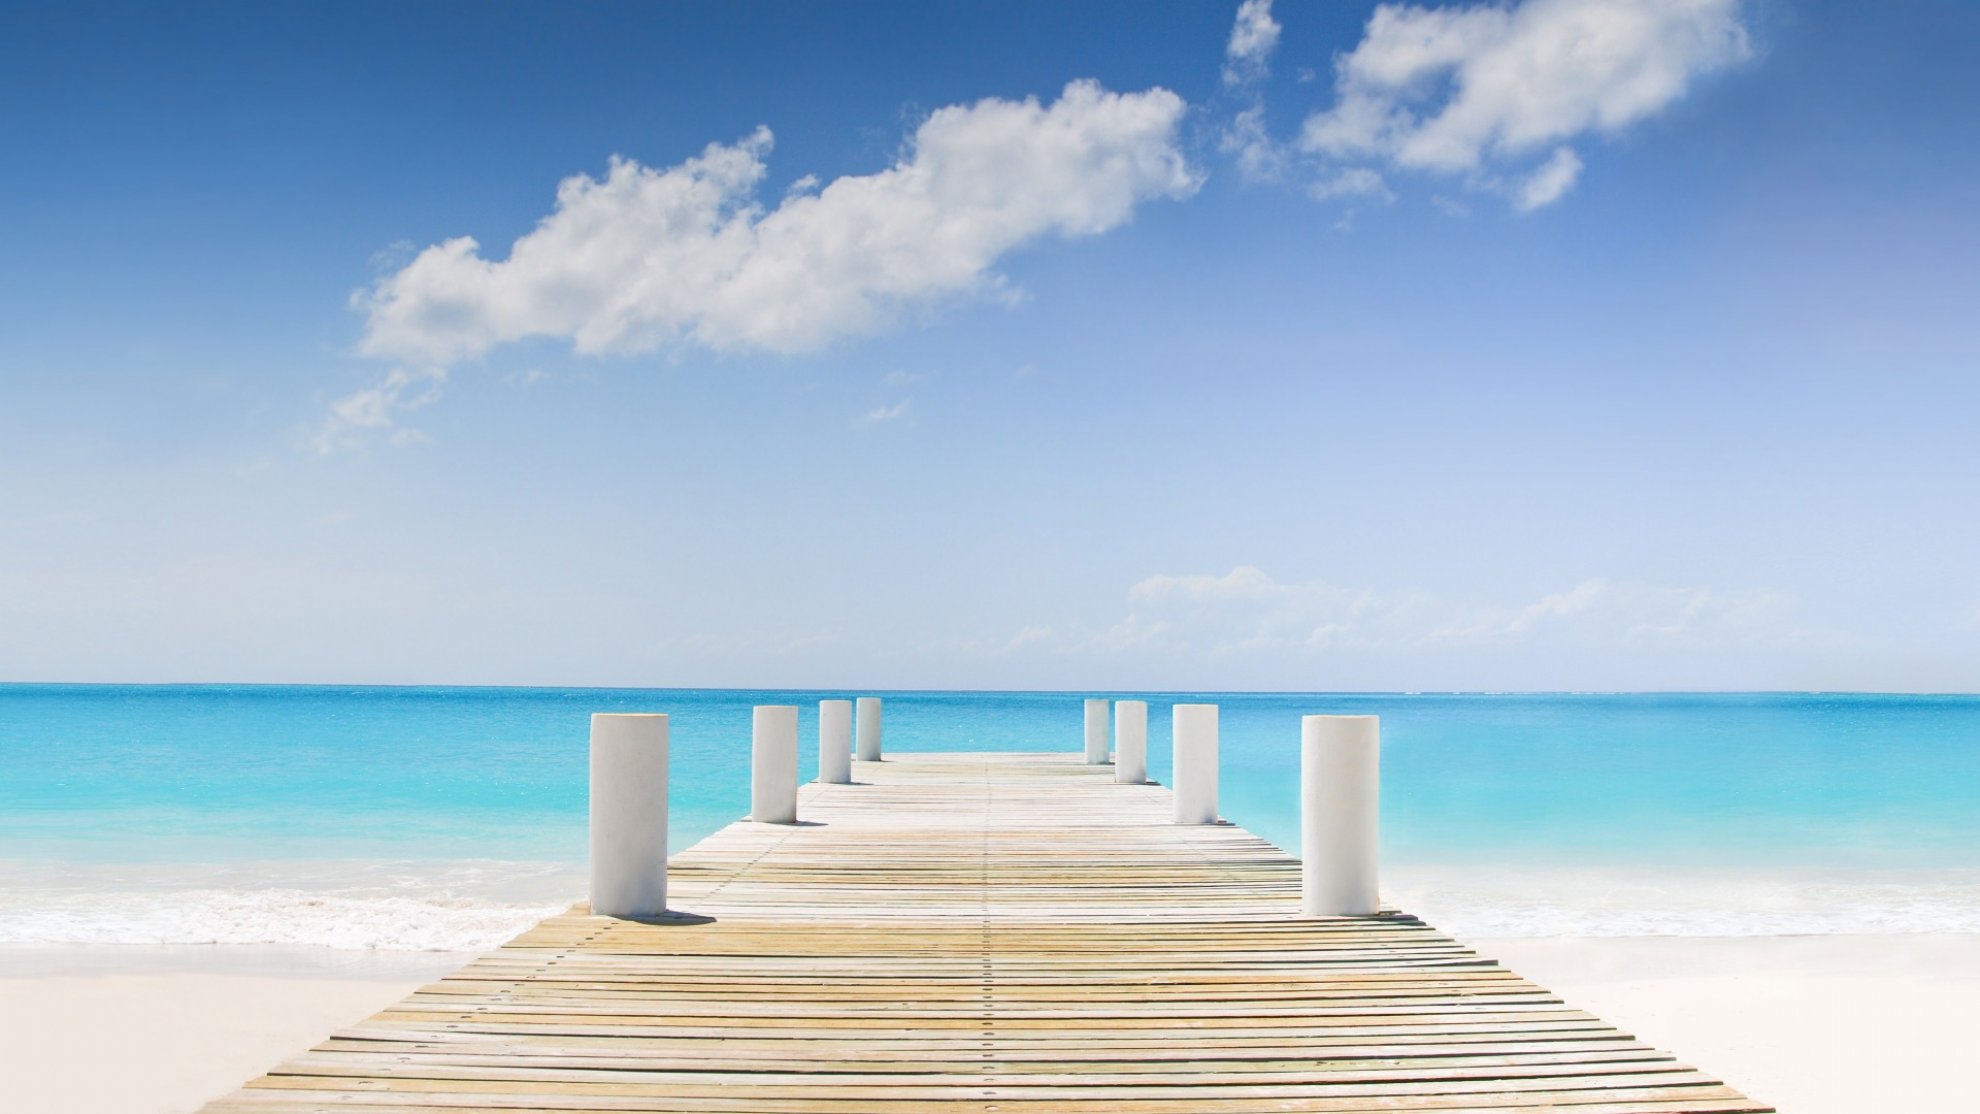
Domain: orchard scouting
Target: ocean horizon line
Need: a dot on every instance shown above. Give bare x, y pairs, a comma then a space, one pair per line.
454, 686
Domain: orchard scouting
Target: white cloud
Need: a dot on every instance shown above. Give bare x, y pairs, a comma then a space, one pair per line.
1247, 611
377, 409
1025, 637
1355, 181
1254, 36
880, 414
1546, 185
1477, 89
1259, 157
644, 257
1247, 61
1636, 614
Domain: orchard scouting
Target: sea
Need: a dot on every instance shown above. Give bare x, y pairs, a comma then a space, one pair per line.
415, 819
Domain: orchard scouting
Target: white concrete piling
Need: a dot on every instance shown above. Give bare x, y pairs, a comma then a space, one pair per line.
773, 765
835, 741
628, 815
1339, 799
869, 729
1096, 731
1195, 750
1131, 741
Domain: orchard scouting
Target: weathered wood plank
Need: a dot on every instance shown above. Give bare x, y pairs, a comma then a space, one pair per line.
1008, 933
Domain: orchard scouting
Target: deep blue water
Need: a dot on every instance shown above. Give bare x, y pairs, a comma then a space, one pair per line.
176, 774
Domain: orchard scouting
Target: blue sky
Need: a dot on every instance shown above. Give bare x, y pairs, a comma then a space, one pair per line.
1568, 344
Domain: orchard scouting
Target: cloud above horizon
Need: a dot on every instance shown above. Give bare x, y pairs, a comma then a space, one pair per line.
1495, 93
690, 256
1254, 36
1247, 63
649, 258
645, 257
375, 411
1246, 611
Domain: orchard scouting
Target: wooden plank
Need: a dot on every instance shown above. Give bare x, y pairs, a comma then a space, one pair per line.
998, 932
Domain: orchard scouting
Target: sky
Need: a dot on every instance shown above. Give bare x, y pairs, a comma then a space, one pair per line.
1545, 345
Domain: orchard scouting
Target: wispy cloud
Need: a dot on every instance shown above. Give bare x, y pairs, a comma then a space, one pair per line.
378, 411
1247, 63
1491, 94
1259, 157
1553, 179
1246, 611
1025, 637
1254, 36
882, 414
1353, 182
1478, 90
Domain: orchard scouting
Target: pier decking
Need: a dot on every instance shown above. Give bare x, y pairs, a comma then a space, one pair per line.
982, 932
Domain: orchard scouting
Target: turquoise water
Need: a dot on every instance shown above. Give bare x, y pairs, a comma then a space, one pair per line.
476, 796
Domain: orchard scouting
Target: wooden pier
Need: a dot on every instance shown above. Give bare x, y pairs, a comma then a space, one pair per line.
1010, 933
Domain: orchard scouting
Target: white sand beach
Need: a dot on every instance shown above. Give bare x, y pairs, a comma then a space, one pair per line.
164, 1030
1816, 1024
1812, 1024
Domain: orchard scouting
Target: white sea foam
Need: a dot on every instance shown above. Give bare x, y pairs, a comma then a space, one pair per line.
405, 906
398, 906
1487, 901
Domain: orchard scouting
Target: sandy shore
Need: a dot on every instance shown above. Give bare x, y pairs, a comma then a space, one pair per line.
1812, 1024
1816, 1025
163, 1030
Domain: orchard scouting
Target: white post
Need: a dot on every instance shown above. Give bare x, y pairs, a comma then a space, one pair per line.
773, 765
835, 741
1131, 741
1340, 791
1195, 744
869, 729
628, 815
1096, 732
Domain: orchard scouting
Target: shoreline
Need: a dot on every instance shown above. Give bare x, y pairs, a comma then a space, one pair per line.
378, 907
279, 961
1814, 1024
